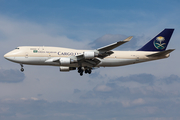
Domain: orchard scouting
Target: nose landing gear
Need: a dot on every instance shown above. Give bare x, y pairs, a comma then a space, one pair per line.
22, 69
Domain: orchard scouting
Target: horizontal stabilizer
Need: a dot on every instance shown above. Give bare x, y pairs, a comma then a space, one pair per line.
163, 53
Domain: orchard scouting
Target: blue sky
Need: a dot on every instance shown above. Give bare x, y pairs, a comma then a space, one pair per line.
146, 91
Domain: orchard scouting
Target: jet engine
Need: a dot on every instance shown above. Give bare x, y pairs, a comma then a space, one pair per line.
90, 54
65, 61
66, 69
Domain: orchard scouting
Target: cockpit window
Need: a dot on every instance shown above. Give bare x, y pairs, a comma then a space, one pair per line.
16, 48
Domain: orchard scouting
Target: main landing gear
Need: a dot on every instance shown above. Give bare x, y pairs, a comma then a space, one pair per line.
22, 69
86, 70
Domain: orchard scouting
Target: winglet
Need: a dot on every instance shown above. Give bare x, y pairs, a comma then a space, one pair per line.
128, 39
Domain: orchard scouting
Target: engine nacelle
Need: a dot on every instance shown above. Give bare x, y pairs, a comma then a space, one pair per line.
67, 69
65, 61
89, 54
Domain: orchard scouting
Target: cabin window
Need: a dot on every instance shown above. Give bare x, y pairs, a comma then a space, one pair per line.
16, 48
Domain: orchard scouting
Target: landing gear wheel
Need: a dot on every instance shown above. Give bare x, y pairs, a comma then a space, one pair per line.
89, 71
86, 71
79, 69
22, 69
81, 73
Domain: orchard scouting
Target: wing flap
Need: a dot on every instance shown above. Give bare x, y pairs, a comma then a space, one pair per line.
89, 62
105, 54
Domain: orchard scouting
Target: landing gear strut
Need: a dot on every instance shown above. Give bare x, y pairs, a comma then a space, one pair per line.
22, 69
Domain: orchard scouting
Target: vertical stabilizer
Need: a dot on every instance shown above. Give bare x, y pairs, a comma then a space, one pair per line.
158, 43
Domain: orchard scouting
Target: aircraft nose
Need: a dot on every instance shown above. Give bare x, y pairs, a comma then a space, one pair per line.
11, 56
8, 56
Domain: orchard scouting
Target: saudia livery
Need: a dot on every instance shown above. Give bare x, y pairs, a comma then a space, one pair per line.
85, 60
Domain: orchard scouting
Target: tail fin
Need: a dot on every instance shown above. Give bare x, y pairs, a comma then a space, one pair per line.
158, 43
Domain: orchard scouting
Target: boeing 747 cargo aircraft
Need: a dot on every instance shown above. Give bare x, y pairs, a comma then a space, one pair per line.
85, 60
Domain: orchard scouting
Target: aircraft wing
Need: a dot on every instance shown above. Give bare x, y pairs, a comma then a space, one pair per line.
114, 45
100, 53
90, 62
52, 60
106, 50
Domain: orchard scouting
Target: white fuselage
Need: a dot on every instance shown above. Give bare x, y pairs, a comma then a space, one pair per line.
36, 55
